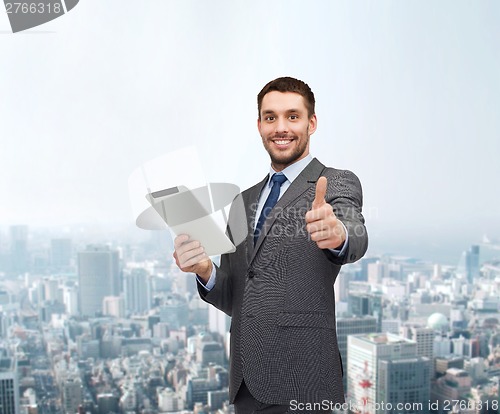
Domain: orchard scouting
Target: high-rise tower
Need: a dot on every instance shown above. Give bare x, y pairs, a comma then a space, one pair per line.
98, 276
9, 387
385, 368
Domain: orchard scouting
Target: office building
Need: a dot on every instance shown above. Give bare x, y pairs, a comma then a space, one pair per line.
128, 400
364, 303
72, 392
60, 254
362, 276
354, 325
443, 363
472, 264
175, 312
210, 353
404, 381
137, 289
455, 385
377, 272
70, 299
49, 290
385, 368
391, 325
169, 400
19, 255
216, 399
113, 306
107, 403
198, 311
197, 390
87, 347
424, 337
4, 324
9, 387
468, 267
98, 276
342, 284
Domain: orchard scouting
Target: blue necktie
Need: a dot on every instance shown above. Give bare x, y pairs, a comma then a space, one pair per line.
277, 179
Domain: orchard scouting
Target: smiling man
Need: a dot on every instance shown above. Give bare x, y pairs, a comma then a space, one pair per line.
304, 221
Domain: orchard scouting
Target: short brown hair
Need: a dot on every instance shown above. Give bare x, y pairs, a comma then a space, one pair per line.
288, 84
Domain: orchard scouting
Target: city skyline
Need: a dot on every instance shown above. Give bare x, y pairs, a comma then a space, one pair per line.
448, 252
151, 345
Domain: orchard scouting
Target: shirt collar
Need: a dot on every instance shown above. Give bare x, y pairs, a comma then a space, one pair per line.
292, 171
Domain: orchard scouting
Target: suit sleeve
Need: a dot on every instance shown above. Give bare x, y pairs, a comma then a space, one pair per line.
221, 295
346, 197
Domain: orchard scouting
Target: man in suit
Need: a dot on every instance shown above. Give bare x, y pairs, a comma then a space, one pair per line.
304, 221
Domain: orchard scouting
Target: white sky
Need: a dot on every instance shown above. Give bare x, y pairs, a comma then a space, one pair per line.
408, 97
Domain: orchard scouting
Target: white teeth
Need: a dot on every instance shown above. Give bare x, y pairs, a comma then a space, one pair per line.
283, 142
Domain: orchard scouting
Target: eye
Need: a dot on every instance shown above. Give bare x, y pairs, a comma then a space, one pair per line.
294, 117
269, 118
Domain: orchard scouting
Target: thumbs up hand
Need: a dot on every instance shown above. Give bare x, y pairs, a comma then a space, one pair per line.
322, 224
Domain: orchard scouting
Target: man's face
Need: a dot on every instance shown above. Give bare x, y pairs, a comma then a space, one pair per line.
285, 127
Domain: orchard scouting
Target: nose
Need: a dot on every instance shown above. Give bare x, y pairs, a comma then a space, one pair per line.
281, 125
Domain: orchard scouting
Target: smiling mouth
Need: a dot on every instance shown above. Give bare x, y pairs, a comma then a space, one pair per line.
282, 141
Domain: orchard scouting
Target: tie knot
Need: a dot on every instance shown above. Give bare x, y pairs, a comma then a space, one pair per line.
278, 178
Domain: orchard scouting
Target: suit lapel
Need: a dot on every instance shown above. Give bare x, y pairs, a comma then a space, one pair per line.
251, 211
305, 180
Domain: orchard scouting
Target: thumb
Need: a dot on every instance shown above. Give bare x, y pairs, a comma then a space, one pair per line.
319, 198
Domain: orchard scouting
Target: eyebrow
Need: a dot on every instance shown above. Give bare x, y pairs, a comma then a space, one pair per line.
270, 111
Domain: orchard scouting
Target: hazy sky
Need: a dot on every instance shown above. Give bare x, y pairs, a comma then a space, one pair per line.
408, 97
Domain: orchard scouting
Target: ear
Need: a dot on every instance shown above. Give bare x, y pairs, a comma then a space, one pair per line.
258, 124
313, 124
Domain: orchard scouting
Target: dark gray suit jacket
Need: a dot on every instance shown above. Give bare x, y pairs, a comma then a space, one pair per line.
280, 293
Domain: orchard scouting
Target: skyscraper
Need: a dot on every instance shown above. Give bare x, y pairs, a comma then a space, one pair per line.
365, 262
9, 387
472, 264
70, 299
60, 254
19, 249
50, 290
175, 312
72, 395
98, 276
113, 306
377, 271
385, 368
362, 303
468, 266
455, 385
138, 291
342, 284
354, 325
424, 337
404, 381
